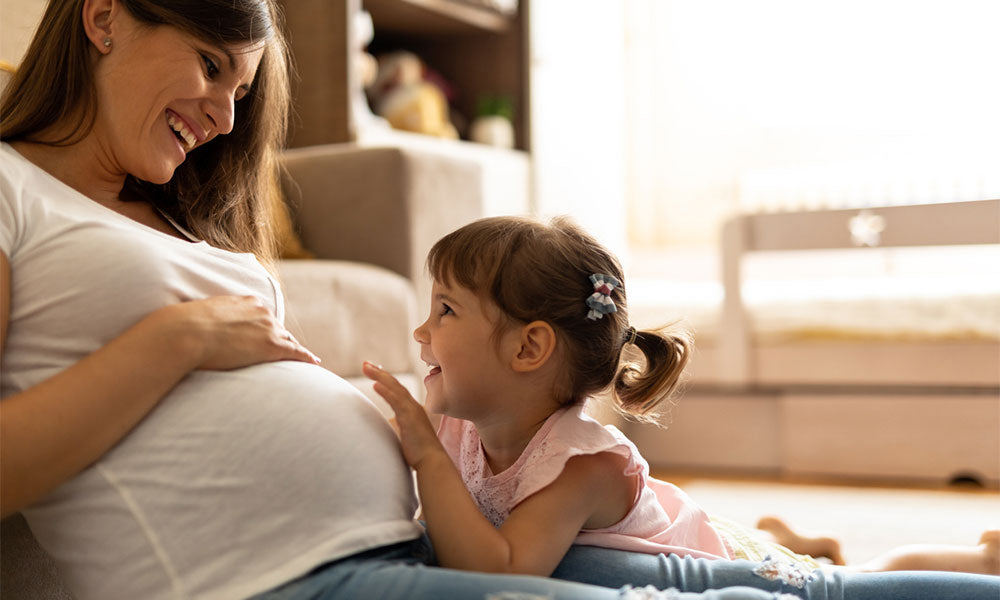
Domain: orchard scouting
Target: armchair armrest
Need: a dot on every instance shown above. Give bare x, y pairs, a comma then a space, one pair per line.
384, 206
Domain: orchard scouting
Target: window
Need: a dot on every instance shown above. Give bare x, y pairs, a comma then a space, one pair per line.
783, 104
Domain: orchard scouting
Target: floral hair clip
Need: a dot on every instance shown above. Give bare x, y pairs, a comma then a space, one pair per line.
600, 301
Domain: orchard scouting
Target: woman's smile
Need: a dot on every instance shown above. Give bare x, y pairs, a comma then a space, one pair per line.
181, 130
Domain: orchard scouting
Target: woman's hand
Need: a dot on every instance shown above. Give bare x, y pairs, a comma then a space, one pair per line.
228, 332
416, 434
46, 440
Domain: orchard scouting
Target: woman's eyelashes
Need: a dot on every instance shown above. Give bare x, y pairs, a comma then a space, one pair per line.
212, 71
211, 68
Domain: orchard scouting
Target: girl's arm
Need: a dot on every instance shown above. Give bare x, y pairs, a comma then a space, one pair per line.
591, 492
53, 430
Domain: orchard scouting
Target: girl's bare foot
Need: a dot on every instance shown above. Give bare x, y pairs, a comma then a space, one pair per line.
989, 543
817, 546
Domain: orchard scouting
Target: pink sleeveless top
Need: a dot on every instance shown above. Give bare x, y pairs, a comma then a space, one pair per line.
663, 518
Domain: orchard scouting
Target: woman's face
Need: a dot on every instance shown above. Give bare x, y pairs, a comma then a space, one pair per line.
162, 93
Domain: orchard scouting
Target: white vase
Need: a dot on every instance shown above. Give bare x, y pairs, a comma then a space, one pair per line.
492, 130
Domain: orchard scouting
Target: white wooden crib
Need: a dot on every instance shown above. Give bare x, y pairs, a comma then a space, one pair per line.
824, 399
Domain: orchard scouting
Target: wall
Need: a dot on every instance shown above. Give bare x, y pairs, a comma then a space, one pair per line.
736, 105
578, 113
18, 19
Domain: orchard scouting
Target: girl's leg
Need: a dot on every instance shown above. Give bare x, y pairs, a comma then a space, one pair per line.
815, 545
615, 568
983, 559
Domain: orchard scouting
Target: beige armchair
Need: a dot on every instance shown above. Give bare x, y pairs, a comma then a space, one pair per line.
369, 215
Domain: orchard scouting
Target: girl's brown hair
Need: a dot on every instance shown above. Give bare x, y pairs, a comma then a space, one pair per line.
535, 271
224, 191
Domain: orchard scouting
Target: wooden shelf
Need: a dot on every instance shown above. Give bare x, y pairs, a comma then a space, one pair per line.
435, 17
482, 51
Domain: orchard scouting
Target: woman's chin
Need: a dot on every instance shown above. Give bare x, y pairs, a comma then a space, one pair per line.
160, 175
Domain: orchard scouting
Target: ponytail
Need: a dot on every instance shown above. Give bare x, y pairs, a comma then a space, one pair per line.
639, 387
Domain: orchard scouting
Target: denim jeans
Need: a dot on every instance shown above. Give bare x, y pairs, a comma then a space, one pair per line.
405, 572
614, 568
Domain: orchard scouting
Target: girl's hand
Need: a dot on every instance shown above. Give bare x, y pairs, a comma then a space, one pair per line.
416, 434
229, 332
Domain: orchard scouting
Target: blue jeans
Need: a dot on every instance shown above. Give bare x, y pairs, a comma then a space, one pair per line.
614, 568
405, 572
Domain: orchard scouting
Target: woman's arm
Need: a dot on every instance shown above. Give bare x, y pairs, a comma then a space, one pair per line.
591, 492
51, 431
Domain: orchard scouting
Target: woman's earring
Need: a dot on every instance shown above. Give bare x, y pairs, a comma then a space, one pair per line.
107, 42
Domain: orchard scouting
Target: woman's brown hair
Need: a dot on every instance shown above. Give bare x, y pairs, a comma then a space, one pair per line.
536, 271
225, 191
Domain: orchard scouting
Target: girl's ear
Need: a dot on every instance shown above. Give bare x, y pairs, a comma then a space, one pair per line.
97, 18
537, 342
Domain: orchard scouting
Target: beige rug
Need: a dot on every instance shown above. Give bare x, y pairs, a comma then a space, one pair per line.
867, 520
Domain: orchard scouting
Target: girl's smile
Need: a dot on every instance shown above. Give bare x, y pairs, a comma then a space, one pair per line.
435, 370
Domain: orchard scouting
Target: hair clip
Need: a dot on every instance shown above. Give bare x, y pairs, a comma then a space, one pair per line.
600, 301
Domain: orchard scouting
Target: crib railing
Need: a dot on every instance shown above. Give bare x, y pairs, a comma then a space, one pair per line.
953, 223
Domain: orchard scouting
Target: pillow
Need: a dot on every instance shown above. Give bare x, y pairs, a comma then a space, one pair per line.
288, 242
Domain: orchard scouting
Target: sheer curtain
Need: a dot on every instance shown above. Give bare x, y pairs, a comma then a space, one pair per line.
785, 104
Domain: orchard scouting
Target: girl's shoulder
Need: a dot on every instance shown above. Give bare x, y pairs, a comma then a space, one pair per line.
574, 434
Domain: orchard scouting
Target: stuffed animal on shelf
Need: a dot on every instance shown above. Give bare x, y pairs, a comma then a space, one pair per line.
365, 71
405, 95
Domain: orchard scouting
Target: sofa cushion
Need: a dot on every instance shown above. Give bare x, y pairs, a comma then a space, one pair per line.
348, 313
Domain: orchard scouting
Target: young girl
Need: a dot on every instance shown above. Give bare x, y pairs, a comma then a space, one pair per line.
527, 321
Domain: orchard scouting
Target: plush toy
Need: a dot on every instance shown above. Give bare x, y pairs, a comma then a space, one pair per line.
410, 96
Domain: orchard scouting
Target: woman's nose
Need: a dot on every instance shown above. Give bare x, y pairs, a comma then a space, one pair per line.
220, 111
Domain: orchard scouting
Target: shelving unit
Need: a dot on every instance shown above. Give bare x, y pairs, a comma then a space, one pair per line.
436, 17
477, 49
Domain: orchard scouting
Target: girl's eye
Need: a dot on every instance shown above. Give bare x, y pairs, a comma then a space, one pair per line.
210, 67
446, 310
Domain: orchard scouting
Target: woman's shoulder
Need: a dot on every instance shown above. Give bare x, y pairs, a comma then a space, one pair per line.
14, 174
13, 166
20, 177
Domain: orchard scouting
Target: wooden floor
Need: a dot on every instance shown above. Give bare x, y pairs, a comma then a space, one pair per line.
868, 519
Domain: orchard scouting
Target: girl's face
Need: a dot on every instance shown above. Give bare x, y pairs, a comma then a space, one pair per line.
162, 93
467, 371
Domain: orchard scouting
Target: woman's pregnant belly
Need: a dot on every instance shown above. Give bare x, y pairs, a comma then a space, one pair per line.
239, 478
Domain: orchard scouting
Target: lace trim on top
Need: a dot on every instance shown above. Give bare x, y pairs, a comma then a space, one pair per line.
497, 494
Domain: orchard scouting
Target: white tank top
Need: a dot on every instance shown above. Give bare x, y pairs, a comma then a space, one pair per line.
239, 480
